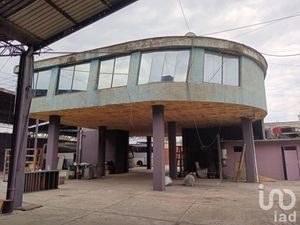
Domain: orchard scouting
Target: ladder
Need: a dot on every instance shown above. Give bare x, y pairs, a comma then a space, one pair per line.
179, 160
32, 161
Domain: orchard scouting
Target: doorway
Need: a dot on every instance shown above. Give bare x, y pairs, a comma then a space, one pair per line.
291, 163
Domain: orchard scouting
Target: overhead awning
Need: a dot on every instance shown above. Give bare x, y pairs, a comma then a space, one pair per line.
39, 23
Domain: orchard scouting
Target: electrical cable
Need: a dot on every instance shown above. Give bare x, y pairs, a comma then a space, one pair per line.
252, 25
183, 14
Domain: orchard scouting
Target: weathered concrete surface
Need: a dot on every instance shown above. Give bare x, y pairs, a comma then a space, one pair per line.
129, 199
171, 42
249, 96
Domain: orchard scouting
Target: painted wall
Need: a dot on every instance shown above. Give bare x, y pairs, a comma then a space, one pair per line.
90, 147
116, 148
268, 156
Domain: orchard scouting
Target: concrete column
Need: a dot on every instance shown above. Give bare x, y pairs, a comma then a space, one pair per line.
53, 82
148, 152
79, 145
250, 156
196, 71
15, 184
92, 87
52, 142
134, 67
102, 151
158, 148
172, 149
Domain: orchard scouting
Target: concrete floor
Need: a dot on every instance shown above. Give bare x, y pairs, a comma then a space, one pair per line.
129, 199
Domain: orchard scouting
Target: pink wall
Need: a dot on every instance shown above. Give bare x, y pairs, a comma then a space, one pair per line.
233, 158
268, 157
269, 160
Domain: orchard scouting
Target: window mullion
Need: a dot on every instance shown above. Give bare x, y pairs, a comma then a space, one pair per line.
72, 79
113, 73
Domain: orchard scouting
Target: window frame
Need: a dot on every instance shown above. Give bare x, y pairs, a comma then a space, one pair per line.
223, 55
35, 84
189, 50
113, 71
73, 66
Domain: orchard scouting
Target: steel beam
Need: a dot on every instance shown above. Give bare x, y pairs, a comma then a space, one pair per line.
158, 148
15, 185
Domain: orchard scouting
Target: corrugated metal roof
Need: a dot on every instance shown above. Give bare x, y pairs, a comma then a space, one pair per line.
41, 22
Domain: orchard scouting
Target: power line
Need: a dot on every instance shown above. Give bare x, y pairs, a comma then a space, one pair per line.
182, 11
251, 25
254, 30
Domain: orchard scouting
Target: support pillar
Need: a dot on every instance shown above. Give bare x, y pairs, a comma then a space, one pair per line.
158, 148
172, 149
79, 145
15, 185
250, 156
52, 143
101, 151
148, 152
117, 144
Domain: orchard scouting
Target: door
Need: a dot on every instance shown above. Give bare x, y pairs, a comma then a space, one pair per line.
291, 162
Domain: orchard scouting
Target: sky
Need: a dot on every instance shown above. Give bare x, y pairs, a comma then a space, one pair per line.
155, 18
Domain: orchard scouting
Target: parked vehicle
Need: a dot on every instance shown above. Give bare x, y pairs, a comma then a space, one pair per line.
138, 155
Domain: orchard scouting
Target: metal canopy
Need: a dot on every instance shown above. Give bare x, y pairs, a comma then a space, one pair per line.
38, 23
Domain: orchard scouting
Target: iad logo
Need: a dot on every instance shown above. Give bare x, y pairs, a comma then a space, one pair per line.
278, 217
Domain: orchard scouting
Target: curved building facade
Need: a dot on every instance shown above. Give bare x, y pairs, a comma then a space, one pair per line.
138, 86
208, 80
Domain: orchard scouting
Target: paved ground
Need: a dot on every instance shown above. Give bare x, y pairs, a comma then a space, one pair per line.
128, 199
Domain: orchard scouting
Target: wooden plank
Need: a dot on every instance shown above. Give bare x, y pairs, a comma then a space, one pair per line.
239, 170
137, 117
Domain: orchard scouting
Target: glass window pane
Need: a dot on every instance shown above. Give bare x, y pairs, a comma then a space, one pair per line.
107, 66
122, 65
231, 70
104, 80
212, 68
120, 80
81, 76
164, 66
121, 71
42, 84
169, 64
156, 66
181, 67
105, 75
65, 79
145, 68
